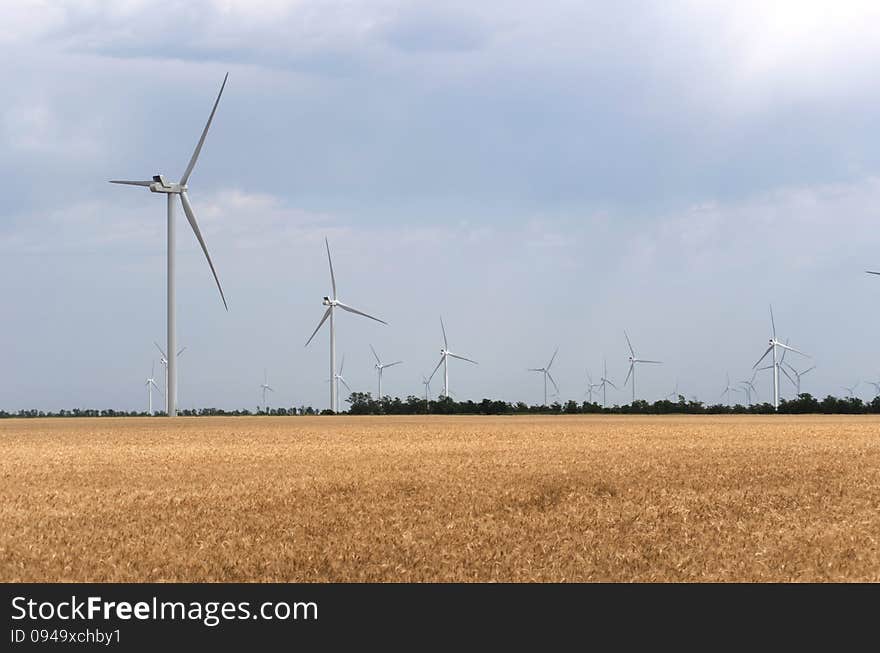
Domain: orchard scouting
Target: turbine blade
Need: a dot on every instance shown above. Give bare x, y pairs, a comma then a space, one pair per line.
435, 369
629, 344
445, 342
187, 208
628, 374
342, 381
462, 358
797, 351
394, 363
181, 350
375, 355
342, 365
323, 319
868, 271
330, 261
642, 360
131, 183
195, 154
550, 376
160, 350
769, 349
809, 370
354, 310
785, 371
772, 321
550, 364
610, 383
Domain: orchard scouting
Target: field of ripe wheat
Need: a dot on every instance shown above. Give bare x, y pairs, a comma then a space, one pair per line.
441, 499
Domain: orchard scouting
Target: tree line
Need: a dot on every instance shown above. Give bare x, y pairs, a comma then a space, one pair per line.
363, 403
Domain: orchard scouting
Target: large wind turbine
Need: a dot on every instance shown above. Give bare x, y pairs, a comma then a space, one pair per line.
332, 304
151, 383
164, 362
774, 344
265, 387
546, 372
161, 185
633, 361
379, 367
605, 382
445, 354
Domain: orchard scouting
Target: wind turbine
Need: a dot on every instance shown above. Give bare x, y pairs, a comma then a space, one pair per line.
873, 383
774, 344
728, 388
546, 372
590, 387
332, 304
161, 185
164, 362
633, 361
750, 387
851, 391
675, 393
379, 367
798, 375
445, 354
337, 379
151, 383
264, 386
605, 381
427, 383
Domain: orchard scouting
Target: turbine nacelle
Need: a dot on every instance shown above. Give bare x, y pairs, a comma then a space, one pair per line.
162, 185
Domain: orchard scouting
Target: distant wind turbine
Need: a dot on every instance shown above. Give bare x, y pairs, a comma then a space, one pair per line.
774, 344
546, 372
160, 185
750, 387
427, 383
728, 388
633, 361
675, 394
851, 391
151, 383
332, 304
605, 382
591, 387
445, 355
265, 387
798, 375
380, 366
337, 379
876, 385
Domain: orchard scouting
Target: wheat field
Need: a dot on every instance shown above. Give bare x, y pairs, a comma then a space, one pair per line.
441, 499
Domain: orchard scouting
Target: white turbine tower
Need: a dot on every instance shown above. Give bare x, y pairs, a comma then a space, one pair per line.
774, 344
265, 387
161, 185
445, 354
380, 366
427, 383
633, 361
605, 382
164, 362
337, 379
546, 372
332, 304
151, 383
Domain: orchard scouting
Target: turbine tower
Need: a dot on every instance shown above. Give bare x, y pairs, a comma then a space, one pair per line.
332, 304
605, 381
151, 383
265, 387
379, 367
546, 372
161, 185
774, 345
633, 361
445, 354
427, 383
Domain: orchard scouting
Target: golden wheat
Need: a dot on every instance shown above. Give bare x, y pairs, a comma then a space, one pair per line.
441, 499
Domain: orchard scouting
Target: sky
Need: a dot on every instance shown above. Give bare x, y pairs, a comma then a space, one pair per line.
539, 174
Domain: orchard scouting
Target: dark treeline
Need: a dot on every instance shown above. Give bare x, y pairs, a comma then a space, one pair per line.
362, 403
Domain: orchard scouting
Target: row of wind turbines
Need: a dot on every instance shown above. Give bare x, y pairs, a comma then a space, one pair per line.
179, 189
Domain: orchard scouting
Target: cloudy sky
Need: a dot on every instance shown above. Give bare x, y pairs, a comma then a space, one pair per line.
540, 174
